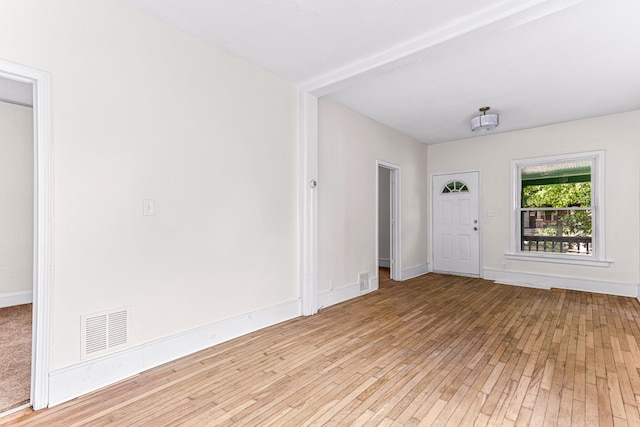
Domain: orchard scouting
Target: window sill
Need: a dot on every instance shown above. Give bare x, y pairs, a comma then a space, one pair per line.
558, 259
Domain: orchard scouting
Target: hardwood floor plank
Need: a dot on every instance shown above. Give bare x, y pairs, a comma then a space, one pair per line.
615, 396
626, 390
632, 372
591, 406
633, 415
580, 381
540, 407
566, 408
578, 413
515, 404
524, 417
605, 412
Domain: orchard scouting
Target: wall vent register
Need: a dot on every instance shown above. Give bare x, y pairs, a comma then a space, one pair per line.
105, 332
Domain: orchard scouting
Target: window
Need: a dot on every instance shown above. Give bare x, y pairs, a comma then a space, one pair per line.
455, 187
557, 208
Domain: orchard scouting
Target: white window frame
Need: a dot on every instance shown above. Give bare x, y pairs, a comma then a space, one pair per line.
597, 257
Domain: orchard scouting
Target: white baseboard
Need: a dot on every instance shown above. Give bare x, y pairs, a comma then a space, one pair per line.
384, 262
373, 284
9, 299
87, 376
13, 410
412, 272
542, 281
345, 293
338, 295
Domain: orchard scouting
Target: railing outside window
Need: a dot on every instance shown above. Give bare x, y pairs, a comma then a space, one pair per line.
557, 244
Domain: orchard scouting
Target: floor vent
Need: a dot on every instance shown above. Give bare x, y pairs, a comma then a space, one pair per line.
363, 278
105, 331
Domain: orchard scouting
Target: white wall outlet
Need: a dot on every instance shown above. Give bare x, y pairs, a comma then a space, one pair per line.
148, 207
491, 212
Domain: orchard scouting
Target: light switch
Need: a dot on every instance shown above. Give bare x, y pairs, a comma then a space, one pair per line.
148, 207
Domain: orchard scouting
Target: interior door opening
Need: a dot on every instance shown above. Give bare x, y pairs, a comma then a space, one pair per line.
17, 192
388, 219
39, 84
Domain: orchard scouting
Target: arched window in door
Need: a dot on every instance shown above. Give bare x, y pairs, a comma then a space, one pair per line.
455, 187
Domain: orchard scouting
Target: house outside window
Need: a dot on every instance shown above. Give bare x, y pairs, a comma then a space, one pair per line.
557, 213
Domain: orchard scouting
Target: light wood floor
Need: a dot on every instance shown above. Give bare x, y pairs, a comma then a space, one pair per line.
437, 350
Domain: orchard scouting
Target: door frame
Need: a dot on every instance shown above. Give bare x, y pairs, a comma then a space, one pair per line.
42, 227
396, 237
480, 222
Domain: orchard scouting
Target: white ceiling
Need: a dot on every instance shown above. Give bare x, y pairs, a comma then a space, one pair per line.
424, 67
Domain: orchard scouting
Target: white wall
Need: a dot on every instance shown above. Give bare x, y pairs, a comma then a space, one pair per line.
141, 111
384, 214
618, 135
349, 145
16, 198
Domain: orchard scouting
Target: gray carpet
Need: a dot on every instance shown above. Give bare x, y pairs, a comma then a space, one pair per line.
15, 356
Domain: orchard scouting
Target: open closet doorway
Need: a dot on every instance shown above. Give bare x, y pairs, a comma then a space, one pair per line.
25, 251
388, 220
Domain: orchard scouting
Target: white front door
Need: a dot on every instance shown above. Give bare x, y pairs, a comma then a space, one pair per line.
456, 235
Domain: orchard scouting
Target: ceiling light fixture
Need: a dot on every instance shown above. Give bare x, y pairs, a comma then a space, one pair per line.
484, 121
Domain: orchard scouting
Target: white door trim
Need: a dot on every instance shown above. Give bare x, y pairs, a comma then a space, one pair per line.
308, 201
480, 222
42, 245
396, 237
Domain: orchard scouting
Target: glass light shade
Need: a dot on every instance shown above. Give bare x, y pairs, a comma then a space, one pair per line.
484, 122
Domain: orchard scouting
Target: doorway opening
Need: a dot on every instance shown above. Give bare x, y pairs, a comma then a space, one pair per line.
41, 202
16, 251
388, 220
